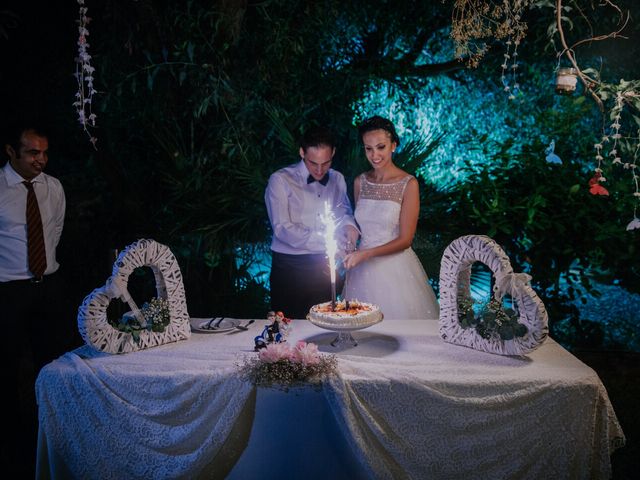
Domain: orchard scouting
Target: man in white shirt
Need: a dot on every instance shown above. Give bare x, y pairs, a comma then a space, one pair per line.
295, 198
38, 322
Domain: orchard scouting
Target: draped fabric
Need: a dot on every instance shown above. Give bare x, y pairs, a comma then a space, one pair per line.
157, 413
440, 411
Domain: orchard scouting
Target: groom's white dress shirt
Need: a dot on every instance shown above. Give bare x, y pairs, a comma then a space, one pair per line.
296, 207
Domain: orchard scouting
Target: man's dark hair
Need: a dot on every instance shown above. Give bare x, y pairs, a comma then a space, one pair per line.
378, 123
14, 134
317, 136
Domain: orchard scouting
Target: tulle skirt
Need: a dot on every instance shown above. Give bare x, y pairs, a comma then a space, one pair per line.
397, 283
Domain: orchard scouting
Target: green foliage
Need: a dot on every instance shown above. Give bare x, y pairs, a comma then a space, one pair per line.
494, 320
546, 220
156, 315
200, 101
207, 99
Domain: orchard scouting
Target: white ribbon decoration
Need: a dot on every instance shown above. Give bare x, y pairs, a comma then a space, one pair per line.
512, 284
116, 287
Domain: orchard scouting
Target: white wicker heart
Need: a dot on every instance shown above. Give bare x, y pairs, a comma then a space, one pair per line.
92, 314
455, 271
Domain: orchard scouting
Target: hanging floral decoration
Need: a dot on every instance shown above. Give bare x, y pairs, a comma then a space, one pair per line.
509, 82
474, 22
594, 184
84, 76
620, 145
617, 103
550, 155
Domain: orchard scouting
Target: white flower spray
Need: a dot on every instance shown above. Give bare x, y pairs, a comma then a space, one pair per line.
84, 76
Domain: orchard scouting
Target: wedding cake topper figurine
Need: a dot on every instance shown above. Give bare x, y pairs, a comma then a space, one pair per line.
276, 331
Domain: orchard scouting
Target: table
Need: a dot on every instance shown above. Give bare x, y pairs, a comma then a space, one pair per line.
404, 405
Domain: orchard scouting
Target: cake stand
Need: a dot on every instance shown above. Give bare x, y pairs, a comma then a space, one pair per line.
344, 326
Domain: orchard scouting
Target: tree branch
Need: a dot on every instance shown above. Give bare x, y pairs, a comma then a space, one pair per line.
432, 69
587, 81
614, 34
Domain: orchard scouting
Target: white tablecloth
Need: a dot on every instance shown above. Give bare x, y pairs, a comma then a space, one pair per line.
405, 405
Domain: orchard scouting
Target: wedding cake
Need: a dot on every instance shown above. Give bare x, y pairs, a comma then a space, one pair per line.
347, 315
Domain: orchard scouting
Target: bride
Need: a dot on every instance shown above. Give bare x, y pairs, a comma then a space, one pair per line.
384, 269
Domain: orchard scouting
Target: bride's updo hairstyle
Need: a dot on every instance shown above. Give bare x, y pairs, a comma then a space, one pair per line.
379, 123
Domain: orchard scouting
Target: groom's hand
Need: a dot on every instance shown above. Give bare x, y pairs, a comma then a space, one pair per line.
349, 238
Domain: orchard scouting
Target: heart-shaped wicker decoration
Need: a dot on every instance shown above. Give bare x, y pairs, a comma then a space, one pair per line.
455, 271
92, 314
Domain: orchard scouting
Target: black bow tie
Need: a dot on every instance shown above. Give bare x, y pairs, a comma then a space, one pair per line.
323, 181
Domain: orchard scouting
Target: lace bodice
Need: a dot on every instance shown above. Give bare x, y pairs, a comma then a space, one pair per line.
382, 191
378, 210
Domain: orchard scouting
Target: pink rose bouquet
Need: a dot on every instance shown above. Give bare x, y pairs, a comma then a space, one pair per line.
278, 365
305, 353
275, 352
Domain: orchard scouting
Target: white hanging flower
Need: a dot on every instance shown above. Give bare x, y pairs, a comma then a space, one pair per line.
84, 76
635, 223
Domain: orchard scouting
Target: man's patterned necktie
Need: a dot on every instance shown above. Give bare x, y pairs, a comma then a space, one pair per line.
35, 235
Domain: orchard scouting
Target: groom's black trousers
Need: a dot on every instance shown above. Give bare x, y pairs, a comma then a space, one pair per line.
300, 281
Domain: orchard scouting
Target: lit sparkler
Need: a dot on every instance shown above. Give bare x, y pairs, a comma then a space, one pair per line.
331, 247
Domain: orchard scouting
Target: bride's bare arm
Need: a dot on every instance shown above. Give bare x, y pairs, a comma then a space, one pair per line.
356, 190
408, 223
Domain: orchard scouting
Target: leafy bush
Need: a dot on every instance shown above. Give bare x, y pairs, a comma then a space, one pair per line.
546, 220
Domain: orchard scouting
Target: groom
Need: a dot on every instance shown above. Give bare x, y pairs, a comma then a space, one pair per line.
295, 199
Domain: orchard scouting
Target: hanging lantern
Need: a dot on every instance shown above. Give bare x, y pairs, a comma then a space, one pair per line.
566, 80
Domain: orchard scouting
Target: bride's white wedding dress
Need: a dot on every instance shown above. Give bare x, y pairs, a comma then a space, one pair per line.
396, 282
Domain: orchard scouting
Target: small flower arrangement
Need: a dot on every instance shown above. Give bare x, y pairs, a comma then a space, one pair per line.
156, 314
492, 320
281, 366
